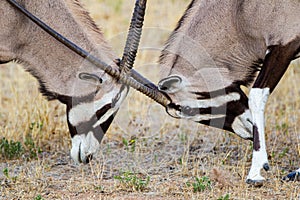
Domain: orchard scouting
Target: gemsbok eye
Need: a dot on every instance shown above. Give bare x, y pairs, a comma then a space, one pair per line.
90, 77
187, 110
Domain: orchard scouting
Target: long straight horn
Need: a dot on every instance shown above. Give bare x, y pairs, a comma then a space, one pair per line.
115, 73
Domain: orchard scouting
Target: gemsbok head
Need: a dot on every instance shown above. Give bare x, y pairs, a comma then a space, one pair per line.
92, 97
219, 46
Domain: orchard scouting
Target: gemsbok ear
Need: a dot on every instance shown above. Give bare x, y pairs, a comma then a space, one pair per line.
170, 84
90, 77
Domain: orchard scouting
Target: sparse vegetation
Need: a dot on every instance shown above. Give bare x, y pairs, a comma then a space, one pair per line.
129, 144
8, 176
38, 197
200, 184
157, 148
10, 149
130, 181
32, 149
225, 197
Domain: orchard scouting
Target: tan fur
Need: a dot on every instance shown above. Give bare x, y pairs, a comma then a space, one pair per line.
55, 66
227, 35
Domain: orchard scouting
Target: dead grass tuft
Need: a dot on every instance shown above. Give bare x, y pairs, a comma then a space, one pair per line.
222, 178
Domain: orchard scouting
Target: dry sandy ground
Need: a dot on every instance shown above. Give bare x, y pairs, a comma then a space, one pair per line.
143, 143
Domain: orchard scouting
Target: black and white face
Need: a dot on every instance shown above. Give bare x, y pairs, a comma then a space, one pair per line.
225, 108
89, 118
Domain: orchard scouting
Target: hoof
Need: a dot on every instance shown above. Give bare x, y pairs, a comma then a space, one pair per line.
255, 183
294, 176
266, 167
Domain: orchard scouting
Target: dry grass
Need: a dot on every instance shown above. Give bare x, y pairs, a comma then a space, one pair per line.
143, 139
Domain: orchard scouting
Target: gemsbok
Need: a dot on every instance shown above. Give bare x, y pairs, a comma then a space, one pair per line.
219, 46
91, 95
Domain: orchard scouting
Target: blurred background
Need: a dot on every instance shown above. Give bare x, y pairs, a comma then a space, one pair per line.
146, 153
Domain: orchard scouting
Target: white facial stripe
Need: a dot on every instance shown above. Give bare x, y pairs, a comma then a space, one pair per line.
213, 102
86, 144
200, 117
242, 125
84, 112
207, 103
112, 110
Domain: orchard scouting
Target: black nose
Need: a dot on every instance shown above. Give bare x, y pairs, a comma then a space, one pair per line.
89, 158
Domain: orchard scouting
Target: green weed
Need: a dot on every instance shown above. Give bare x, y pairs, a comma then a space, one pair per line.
284, 152
32, 149
183, 137
38, 197
129, 144
284, 128
200, 184
225, 197
10, 149
7, 175
5, 172
132, 181
36, 126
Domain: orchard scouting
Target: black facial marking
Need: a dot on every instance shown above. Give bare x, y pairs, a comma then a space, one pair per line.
231, 109
87, 126
103, 110
256, 140
4, 61
221, 123
221, 92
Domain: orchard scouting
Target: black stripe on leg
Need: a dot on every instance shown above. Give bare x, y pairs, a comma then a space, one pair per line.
256, 140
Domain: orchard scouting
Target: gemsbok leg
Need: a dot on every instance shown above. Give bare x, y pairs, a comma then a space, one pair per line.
276, 62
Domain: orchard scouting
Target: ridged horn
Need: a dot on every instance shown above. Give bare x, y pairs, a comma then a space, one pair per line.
115, 73
134, 36
132, 43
